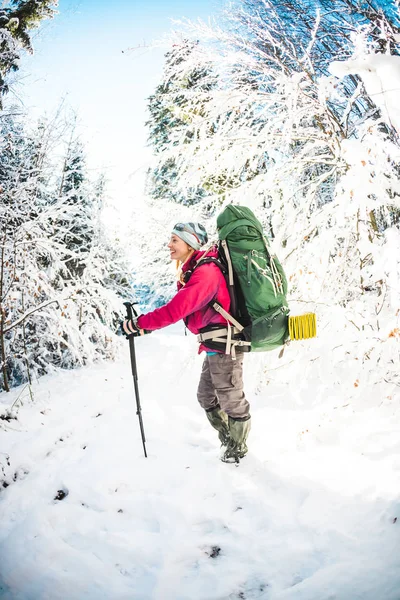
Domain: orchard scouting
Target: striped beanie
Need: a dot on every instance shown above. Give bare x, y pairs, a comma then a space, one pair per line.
193, 234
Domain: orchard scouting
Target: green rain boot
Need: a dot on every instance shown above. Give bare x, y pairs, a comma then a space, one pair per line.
237, 447
219, 420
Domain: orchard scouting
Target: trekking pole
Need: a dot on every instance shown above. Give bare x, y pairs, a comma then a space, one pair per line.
130, 311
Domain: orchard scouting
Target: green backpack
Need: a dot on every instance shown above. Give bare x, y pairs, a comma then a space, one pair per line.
257, 285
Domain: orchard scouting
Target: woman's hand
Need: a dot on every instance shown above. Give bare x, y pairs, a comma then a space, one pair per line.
130, 327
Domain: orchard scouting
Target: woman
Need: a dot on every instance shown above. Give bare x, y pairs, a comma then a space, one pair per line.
220, 391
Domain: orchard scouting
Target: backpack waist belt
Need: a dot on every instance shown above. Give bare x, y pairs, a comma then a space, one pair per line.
216, 333
224, 336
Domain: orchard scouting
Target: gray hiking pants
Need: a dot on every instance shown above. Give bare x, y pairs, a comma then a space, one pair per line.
221, 383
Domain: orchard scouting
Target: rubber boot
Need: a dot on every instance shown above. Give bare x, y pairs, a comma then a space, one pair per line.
219, 420
238, 433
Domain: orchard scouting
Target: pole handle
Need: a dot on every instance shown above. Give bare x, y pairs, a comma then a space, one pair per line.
130, 311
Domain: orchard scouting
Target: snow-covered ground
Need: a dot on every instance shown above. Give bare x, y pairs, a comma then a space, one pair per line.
312, 513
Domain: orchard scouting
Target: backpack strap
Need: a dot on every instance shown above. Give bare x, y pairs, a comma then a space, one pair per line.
204, 261
229, 262
227, 316
235, 327
214, 304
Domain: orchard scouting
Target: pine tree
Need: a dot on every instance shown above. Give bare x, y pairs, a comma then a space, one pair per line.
25, 251
79, 206
16, 21
59, 273
171, 122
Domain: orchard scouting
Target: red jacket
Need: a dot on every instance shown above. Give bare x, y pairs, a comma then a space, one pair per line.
191, 302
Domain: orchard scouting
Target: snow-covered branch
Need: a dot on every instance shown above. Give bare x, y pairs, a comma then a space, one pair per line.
27, 314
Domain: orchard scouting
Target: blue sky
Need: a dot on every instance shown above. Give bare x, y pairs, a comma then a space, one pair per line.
87, 56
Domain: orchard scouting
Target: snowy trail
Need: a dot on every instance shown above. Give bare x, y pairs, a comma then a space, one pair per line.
312, 513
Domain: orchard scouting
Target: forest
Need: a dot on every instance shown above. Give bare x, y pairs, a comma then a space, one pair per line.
289, 108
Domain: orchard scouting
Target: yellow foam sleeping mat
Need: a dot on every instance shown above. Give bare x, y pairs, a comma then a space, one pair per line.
303, 327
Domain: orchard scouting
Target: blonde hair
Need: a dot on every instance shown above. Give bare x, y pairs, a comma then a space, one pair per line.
179, 264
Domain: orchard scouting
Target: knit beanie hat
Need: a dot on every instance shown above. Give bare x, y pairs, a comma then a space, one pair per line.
193, 234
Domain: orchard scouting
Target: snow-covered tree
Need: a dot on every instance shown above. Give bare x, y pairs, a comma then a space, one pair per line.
170, 110
261, 120
314, 157
81, 208
272, 109
60, 275
25, 287
17, 19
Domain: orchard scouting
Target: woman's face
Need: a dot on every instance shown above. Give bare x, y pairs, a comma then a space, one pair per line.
178, 248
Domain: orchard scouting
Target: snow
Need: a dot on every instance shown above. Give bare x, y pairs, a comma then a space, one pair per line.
312, 513
381, 76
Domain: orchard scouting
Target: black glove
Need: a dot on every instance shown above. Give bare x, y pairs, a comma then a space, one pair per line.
130, 327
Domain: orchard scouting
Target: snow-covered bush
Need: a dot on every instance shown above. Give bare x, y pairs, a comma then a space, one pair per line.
59, 273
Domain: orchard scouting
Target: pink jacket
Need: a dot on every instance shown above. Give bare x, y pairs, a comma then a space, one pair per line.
191, 302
